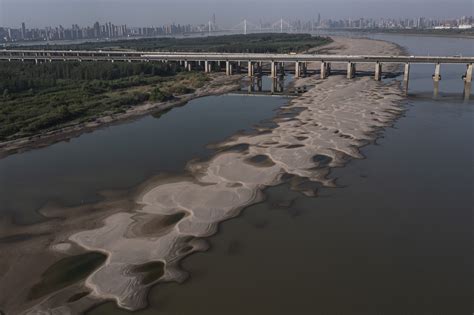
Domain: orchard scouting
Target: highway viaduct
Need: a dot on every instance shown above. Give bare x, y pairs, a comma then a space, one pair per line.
252, 63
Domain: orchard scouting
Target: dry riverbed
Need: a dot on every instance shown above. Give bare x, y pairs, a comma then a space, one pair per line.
142, 235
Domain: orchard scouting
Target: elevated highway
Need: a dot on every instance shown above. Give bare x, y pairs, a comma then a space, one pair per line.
253, 63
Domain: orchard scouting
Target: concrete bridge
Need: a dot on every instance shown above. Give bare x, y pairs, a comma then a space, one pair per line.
254, 64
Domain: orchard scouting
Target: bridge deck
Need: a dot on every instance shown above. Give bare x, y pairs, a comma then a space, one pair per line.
235, 57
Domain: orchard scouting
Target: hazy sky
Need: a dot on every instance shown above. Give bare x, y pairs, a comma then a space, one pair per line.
37, 13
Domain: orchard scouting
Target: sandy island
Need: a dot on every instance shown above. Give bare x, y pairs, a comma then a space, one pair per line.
144, 234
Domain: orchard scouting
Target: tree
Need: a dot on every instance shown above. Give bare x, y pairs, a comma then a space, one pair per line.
158, 95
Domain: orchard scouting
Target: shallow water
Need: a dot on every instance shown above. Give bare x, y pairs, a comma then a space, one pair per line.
124, 155
395, 238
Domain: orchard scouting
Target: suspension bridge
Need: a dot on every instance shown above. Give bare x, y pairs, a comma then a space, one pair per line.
246, 26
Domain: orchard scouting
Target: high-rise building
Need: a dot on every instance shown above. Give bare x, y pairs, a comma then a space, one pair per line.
23, 30
96, 30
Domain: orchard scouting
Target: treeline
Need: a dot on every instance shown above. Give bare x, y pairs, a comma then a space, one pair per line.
47, 96
18, 77
251, 43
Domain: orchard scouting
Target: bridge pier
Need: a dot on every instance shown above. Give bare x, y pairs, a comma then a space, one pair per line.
228, 68
251, 69
468, 76
436, 79
351, 70
273, 69
468, 82
297, 69
378, 71
207, 67
325, 69
406, 77
437, 74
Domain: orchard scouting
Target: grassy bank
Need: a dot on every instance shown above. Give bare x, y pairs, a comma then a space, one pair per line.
43, 97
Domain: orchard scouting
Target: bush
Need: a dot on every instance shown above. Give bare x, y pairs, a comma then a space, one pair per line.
180, 89
157, 95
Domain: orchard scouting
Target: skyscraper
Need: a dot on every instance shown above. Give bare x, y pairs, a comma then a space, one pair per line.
23, 30
97, 30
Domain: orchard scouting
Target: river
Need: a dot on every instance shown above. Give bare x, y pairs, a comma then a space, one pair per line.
125, 155
395, 237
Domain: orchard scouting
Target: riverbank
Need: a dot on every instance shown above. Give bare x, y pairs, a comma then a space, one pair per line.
428, 33
218, 84
162, 221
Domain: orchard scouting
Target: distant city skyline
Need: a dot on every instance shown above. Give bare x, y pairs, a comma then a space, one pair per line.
109, 30
42, 13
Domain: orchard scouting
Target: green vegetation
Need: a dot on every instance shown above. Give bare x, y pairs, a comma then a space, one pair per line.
252, 43
48, 96
40, 97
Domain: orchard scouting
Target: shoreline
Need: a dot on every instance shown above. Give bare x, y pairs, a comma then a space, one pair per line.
358, 31
66, 133
304, 147
220, 84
